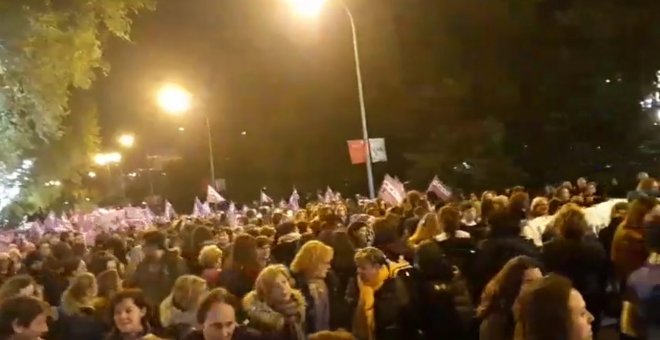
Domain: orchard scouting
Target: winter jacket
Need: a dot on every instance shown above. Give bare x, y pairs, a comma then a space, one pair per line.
81, 325
339, 312
628, 250
271, 323
156, 278
176, 321
237, 282
396, 313
492, 254
584, 262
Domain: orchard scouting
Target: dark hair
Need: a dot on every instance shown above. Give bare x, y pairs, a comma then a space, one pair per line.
268, 232
352, 233
432, 262
243, 254
263, 241
155, 238
283, 229
503, 289
70, 265
543, 309
99, 262
215, 296
553, 205
116, 247
638, 209
450, 220
502, 224
137, 295
61, 250
227, 231
21, 310
107, 282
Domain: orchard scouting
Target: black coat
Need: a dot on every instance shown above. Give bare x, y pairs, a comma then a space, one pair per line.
240, 333
584, 262
493, 254
395, 306
237, 282
81, 326
339, 310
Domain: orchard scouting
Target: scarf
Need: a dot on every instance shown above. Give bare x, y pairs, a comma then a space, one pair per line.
364, 322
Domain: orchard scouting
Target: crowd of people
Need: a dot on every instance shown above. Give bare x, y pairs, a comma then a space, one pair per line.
424, 269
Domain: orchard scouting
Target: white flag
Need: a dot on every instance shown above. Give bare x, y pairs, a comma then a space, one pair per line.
213, 196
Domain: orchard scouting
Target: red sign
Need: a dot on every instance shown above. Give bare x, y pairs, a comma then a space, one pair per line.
357, 151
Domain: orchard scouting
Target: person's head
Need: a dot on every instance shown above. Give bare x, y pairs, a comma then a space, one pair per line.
503, 224
369, 261
563, 194
638, 209
102, 261
109, 282
81, 291
44, 249
313, 260
570, 222
187, 291
427, 228
22, 285
216, 315
591, 189
243, 253
518, 203
450, 220
469, 212
263, 249
551, 309
647, 185
358, 233
154, 244
129, 311
210, 257
619, 210
504, 288
273, 284
332, 335
540, 207
23, 316
581, 183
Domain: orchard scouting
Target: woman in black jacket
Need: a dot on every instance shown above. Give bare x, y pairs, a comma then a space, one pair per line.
579, 258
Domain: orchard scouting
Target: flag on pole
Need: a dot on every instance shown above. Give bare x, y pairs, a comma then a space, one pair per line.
390, 191
197, 208
294, 200
213, 196
264, 199
170, 214
329, 196
440, 189
206, 209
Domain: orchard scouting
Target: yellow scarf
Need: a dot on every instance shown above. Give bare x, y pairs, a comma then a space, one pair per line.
364, 323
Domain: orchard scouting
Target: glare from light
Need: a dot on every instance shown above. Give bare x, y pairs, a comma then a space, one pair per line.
657, 114
174, 99
87, 199
107, 158
126, 140
91, 174
132, 175
181, 129
307, 8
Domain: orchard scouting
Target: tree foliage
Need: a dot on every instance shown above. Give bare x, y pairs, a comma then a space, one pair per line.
48, 48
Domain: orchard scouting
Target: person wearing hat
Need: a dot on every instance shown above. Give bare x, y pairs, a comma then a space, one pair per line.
156, 274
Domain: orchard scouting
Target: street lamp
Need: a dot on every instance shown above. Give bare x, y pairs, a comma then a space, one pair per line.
313, 7
91, 174
176, 100
126, 140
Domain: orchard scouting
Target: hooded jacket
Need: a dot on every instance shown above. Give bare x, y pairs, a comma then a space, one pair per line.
272, 323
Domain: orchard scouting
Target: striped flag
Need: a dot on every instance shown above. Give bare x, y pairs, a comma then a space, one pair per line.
294, 200
391, 191
264, 199
213, 196
440, 189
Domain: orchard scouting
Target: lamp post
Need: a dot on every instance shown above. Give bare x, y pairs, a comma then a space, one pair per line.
176, 100
312, 8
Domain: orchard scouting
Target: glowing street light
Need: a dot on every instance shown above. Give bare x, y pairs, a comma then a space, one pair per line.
174, 99
107, 158
91, 174
311, 8
307, 8
126, 140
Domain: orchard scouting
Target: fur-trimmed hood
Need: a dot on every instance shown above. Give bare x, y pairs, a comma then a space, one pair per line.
263, 317
170, 315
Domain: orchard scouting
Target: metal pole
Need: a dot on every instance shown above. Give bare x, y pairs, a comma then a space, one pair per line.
363, 110
211, 163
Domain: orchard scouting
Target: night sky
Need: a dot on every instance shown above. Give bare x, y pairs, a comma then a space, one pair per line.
253, 66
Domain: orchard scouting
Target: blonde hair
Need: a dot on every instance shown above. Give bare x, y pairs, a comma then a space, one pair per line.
427, 228
570, 221
310, 255
264, 283
77, 295
187, 291
209, 256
